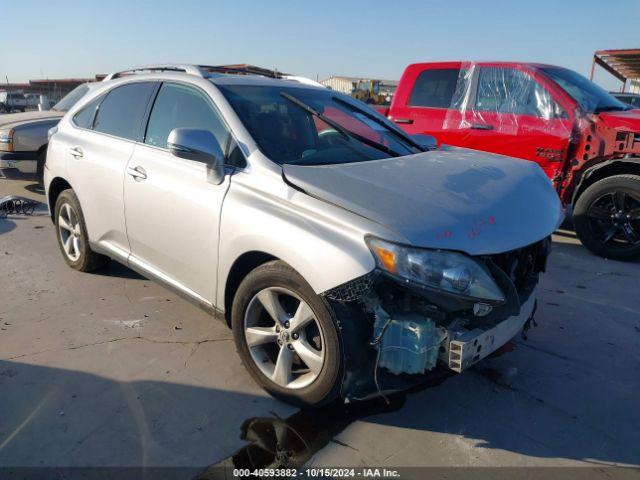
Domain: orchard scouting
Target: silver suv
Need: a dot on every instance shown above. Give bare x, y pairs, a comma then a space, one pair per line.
348, 258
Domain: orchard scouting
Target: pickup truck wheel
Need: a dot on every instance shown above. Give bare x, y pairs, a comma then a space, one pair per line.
72, 236
286, 336
606, 217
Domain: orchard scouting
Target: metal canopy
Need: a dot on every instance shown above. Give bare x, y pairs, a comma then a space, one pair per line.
622, 64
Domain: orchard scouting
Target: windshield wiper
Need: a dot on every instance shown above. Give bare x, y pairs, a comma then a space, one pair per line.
398, 133
610, 108
345, 132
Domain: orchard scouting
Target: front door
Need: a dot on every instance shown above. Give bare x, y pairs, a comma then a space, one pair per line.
172, 212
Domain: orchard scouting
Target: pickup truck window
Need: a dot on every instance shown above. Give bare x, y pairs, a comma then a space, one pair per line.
287, 133
508, 90
435, 88
590, 96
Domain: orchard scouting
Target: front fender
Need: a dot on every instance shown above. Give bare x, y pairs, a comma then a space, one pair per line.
326, 250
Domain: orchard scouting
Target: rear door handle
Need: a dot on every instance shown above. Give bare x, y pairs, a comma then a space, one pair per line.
76, 152
408, 121
481, 126
138, 173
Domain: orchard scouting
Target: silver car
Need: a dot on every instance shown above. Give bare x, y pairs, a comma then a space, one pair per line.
349, 259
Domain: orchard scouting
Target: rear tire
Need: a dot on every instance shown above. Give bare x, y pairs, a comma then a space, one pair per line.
71, 232
313, 346
606, 217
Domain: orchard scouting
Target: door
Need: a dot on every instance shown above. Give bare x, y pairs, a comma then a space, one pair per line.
514, 114
172, 211
432, 106
97, 158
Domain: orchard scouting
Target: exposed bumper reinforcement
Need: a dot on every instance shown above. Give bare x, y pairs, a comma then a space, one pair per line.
466, 347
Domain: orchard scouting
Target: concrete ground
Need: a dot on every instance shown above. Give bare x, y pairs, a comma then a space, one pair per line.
110, 369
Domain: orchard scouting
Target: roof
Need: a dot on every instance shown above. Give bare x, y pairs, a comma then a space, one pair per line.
623, 64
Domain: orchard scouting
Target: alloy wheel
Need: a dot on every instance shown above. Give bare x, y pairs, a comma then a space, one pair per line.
614, 219
69, 232
284, 338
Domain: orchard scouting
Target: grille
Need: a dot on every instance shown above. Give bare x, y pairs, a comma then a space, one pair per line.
523, 265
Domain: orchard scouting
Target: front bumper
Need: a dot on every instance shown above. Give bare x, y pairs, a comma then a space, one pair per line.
25, 162
463, 348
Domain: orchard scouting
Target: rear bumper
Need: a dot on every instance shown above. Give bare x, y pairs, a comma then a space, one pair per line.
25, 162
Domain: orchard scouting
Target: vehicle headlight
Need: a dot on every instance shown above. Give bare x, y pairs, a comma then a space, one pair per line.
451, 272
6, 140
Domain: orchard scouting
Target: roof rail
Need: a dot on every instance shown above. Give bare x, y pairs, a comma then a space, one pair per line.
169, 67
204, 71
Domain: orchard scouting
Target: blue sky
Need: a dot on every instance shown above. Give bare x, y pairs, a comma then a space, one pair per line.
67, 38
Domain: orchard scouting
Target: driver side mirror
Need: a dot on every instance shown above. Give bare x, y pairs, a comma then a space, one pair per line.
425, 141
200, 146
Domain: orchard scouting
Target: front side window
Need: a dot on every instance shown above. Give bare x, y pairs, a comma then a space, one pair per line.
435, 88
121, 112
181, 106
511, 91
287, 132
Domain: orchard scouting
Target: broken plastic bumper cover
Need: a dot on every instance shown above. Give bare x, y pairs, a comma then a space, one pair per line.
463, 348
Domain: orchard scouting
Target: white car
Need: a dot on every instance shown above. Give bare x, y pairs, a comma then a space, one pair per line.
348, 258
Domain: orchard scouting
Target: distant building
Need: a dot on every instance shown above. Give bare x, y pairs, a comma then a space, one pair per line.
348, 84
54, 89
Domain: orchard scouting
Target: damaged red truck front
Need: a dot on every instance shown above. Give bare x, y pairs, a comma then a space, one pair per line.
585, 140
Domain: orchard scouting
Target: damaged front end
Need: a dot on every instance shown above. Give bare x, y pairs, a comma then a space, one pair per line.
400, 329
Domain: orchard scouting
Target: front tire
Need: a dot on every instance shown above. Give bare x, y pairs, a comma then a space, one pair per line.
42, 159
71, 232
606, 217
287, 336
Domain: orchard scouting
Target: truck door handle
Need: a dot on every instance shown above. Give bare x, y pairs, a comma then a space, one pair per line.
76, 152
481, 126
403, 120
138, 173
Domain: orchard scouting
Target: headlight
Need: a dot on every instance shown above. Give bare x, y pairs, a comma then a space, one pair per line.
438, 269
6, 140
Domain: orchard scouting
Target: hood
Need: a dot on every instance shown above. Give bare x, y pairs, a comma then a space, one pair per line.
453, 199
627, 120
15, 119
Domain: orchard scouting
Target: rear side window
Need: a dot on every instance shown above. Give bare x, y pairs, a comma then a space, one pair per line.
435, 88
180, 106
84, 118
120, 114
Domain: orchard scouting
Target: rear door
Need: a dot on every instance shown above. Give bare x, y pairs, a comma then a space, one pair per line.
172, 211
513, 113
431, 105
98, 155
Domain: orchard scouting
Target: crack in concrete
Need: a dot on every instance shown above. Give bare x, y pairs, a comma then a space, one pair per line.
196, 343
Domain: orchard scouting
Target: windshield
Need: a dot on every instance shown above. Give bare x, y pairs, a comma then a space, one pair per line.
288, 133
590, 96
70, 99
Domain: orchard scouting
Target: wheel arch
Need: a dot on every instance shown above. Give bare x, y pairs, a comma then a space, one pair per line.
56, 187
609, 168
240, 268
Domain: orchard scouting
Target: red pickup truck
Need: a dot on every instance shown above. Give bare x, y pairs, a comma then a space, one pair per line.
587, 141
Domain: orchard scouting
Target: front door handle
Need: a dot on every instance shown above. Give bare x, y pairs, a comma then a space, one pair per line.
407, 121
76, 152
138, 173
481, 126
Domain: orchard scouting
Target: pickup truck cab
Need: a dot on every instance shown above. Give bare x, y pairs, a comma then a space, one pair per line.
585, 140
12, 102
